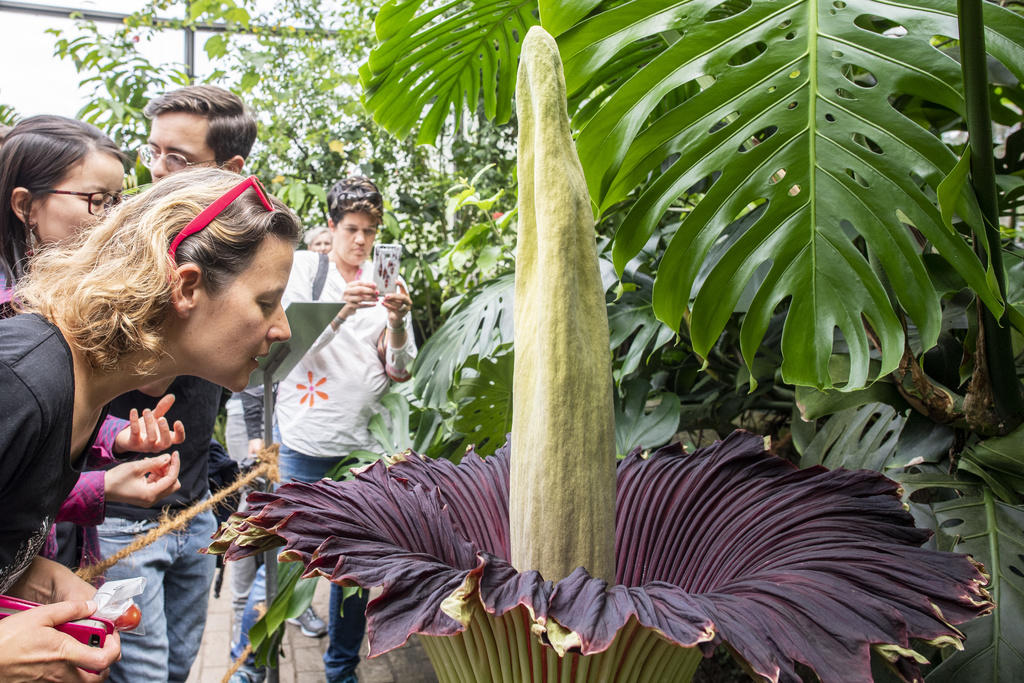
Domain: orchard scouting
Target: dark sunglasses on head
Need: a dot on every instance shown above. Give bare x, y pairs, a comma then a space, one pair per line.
355, 194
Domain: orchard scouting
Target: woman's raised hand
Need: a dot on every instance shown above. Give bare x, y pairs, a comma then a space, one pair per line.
151, 433
358, 294
398, 304
143, 482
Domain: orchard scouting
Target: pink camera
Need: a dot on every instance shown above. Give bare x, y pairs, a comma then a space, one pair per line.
92, 631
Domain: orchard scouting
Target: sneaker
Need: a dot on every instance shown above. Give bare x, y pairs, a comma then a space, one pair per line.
346, 678
311, 625
248, 674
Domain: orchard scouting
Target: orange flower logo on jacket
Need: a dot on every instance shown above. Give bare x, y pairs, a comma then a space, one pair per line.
312, 393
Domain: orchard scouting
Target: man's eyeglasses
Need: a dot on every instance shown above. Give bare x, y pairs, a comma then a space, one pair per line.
99, 202
207, 215
172, 160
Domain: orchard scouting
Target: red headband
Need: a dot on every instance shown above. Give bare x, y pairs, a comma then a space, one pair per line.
207, 215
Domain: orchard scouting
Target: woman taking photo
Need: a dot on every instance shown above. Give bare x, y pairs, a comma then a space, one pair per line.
324, 406
187, 278
59, 176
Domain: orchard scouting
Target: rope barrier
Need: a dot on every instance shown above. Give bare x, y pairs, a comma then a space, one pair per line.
268, 468
261, 610
237, 664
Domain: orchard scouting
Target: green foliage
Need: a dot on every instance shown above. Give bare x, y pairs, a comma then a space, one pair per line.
294, 595
404, 428
990, 530
642, 421
443, 60
793, 113
483, 400
856, 438
8, 115
485, 248
477, 324
122, 80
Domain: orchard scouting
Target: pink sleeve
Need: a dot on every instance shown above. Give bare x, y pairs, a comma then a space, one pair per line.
85, 505
109, 430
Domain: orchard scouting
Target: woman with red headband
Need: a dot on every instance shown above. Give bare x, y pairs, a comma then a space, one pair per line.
187, 278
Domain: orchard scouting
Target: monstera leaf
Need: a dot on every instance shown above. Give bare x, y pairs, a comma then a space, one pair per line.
990, 531
641, 421
444, 59
790, 110
406, 428
484, 397
478, 324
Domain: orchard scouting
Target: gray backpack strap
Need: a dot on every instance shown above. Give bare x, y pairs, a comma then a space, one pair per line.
321, 276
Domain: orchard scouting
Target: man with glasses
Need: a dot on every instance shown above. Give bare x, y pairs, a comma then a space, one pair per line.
193, 126
201, 125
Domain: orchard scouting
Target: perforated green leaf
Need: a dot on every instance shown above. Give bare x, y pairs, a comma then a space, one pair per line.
478, 324
448, 57
990, 531
484, 395
788, 108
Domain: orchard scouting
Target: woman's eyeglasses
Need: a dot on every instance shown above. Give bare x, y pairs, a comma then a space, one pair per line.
207, 215
172, 160
99, 202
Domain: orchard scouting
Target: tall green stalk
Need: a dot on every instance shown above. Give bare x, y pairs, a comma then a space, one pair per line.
998, 350
562, 479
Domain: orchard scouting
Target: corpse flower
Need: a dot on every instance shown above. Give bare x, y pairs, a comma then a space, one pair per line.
729, 543
519, 567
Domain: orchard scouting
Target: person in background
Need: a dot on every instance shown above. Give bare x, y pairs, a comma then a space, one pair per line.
325, 404
59, 176
192, 127
318, 240
185, 278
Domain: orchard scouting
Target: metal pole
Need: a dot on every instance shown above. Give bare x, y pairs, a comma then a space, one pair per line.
190, 54
65, 12
269, 557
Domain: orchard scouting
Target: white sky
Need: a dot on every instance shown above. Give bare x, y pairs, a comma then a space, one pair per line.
34, 81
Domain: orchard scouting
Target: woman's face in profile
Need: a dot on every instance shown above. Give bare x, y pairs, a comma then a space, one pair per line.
321, 244
229, 330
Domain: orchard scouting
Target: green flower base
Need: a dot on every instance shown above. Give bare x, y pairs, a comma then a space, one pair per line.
504, 650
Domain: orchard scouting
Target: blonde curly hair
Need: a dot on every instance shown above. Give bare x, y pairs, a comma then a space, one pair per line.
109, 289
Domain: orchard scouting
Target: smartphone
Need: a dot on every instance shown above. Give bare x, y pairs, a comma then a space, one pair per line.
92, 631
386, 261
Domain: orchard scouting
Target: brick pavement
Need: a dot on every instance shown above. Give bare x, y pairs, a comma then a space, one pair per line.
302, 661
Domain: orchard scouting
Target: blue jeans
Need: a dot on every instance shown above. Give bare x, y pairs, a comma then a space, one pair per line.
345, 633
178, 579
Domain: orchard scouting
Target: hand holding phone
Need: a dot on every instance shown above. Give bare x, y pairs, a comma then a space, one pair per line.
34, 641
386, 261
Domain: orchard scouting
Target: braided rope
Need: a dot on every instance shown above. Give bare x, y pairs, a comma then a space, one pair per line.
268, 468
237, 664
261, 610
